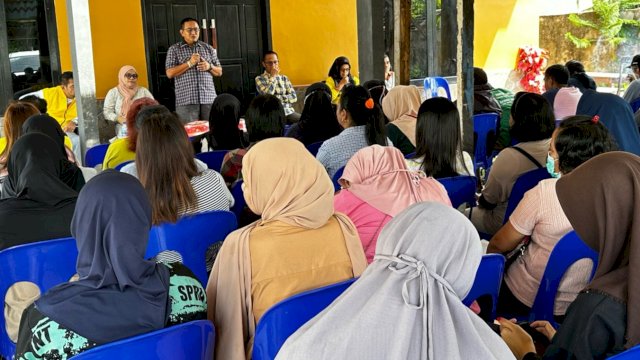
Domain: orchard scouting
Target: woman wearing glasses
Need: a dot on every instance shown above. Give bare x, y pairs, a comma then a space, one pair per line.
119, 99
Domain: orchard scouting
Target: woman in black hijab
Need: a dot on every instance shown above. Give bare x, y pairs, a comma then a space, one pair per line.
37, 205
45, 124
318, 120
119, 294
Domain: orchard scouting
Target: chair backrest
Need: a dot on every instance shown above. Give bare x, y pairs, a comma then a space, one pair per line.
213, 159
631, 354
483, 124
238, 196
95, 155
524, 183
313, 148
337, 177
488, 281
287, 316
122, 164
461, 189
194, 340
410, 155
558, 122
191, 236
566, 252
635, 105
431, 85
45, 263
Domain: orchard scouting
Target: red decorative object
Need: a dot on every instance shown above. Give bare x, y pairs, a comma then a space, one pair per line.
196, 128
529, 63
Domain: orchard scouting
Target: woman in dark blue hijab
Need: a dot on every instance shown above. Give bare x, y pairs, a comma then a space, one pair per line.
119, 294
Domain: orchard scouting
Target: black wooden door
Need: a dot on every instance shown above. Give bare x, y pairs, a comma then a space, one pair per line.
162, 23
241, 33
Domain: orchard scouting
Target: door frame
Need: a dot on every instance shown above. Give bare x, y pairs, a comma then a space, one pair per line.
6, 87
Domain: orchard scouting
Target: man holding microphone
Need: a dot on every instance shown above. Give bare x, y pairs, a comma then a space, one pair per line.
193, 64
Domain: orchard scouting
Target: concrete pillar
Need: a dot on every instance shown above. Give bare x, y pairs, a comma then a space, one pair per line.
83, 72
370, 39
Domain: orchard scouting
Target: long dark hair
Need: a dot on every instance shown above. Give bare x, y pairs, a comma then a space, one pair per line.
353, 100
265, 118
438, 138
223, 123
318, 121
334, 71
165, 165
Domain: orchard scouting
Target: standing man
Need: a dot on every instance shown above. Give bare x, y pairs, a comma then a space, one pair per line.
273, 83
193, 64
61, 105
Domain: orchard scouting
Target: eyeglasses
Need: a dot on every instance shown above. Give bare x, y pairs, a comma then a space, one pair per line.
275, 62
131, 76
192, 30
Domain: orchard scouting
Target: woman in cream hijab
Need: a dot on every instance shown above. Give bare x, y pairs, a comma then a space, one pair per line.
401, 106
407, 305
298, 244
119, 99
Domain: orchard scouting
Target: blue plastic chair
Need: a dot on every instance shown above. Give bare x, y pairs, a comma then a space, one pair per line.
45, 263
524, 183
194, 340
431, 85
635, 105
483, 124
410, 155
122, 164
95, 155
488, 281
213, 159
238, 196
631, 354
566, 252
191, 236
287, 316
313, 148
337, 177
461, 189
558, 122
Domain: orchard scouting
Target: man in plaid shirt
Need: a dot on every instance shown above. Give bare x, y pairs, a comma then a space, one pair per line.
193, 64
273, 83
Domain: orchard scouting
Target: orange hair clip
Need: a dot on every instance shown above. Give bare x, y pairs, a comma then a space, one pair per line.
369, 104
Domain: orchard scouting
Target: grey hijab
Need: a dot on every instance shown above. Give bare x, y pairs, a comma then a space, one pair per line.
407, 305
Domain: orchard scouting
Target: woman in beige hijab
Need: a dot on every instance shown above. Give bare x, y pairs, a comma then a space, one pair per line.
298, 244
401, 106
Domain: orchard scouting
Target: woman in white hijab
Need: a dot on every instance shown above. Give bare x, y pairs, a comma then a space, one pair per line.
406, 305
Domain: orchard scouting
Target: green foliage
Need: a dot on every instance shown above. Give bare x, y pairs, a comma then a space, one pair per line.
608, 21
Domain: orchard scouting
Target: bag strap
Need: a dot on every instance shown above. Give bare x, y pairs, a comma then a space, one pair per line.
528, 156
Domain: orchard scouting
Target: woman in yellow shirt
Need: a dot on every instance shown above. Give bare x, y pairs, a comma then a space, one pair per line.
339, 77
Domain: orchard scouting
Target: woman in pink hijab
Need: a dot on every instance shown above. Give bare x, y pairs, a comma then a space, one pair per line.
119, 98
376, 186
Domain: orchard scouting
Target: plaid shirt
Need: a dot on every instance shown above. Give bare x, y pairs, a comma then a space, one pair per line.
193, 87
280, 87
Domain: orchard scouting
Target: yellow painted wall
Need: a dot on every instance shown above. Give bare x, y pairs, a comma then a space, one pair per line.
323, 31
118, 40
501, 27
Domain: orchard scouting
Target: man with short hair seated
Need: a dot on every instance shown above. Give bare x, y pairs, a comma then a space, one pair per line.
61, 105
563, 99
273, 83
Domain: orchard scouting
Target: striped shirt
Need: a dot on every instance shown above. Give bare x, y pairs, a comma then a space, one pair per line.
193, 87
211, 193
280, 87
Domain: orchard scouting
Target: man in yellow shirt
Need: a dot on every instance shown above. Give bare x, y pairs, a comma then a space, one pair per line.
61, 105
